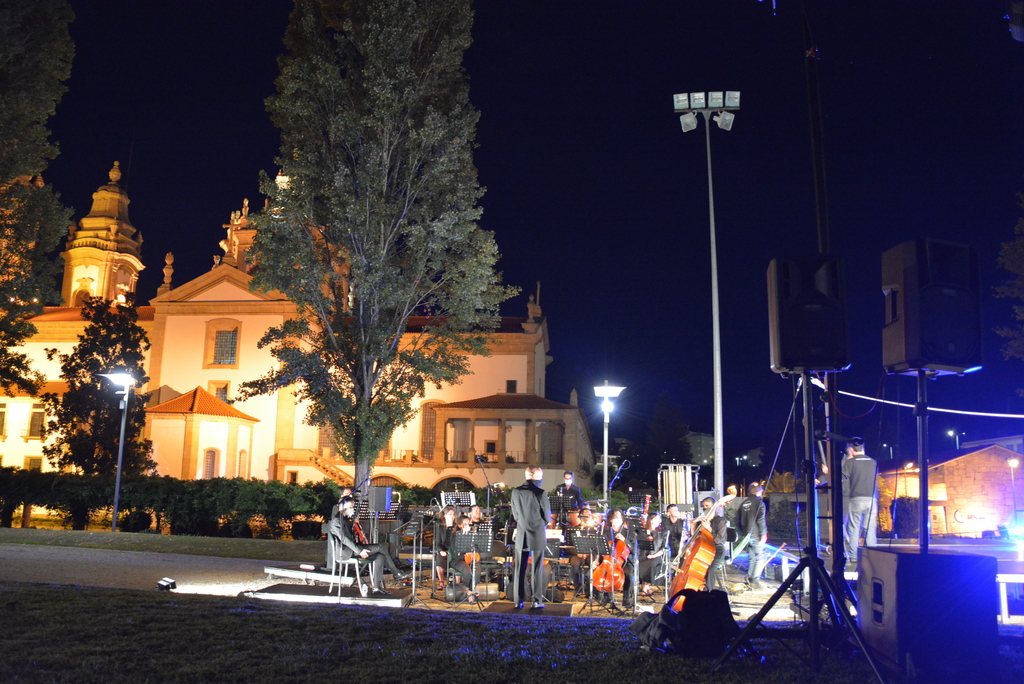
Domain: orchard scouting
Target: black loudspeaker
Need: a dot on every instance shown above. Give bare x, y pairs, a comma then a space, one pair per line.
932, 307
380, 499
930, 617
807, 314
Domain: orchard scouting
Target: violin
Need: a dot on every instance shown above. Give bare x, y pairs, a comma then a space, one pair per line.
358, 531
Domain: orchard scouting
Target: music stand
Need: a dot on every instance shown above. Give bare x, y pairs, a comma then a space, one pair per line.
475, 543
595, 545
458, 499
560, 504
415, 528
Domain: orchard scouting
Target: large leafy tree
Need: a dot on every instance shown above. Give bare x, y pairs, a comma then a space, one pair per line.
373, 220
35, 58
1011, 259
84, 423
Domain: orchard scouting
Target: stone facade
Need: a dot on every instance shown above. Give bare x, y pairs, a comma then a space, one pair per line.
968, 495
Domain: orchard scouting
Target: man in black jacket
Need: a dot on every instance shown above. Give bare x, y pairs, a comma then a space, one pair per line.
754, 525
859, 500
531, 513
350, 544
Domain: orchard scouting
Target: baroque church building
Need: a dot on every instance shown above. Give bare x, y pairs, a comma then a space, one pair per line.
204, 336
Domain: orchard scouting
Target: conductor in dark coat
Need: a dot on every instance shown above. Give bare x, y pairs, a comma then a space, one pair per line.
531, 512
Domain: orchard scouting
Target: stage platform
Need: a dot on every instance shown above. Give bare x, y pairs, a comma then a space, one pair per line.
306, 593
308, 573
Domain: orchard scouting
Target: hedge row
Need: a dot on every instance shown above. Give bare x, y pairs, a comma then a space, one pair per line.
217, 507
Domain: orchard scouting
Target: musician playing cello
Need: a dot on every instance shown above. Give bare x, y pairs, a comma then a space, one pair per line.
618, 530
719, 530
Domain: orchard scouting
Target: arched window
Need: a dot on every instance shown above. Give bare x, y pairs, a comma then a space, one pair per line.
385, 481
452, 484
210, 464
428, 429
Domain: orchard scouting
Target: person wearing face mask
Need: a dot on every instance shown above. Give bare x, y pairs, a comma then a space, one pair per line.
531, 513
352, 544
334, 527
567, 488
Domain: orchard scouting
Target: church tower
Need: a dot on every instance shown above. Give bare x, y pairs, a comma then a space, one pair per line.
102, 256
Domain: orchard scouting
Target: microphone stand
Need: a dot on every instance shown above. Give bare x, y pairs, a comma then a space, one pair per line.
480, 460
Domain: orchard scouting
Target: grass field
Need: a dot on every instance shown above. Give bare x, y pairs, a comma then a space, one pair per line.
257, 549
83, 635
57, 633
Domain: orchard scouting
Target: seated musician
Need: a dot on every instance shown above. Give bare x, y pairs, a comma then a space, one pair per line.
618, 529
676, 530
577, 561
476, 516
444, 538
352, 543
652, 562
720, 531
462, 564
334, 526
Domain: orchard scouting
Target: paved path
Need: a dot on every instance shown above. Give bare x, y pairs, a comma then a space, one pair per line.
130, 569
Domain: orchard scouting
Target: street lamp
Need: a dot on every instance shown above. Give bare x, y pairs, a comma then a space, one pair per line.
1013, 462
607, 393
717, 106
955, 435
125, 382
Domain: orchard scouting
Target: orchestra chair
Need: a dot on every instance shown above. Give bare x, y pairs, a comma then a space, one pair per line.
355, 563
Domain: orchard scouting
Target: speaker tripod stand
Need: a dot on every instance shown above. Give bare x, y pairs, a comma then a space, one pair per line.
818, 579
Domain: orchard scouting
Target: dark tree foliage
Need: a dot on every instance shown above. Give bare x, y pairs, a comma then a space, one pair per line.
84, 423
373, 220
666, 441
1011, 259
35, 58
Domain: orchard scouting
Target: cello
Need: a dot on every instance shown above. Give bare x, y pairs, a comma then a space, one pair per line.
609, 574
697, 556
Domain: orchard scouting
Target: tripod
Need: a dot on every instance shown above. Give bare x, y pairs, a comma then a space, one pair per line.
818, 579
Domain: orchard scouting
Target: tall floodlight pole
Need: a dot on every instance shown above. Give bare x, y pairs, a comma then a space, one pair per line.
125, 382
716, 106
607, 393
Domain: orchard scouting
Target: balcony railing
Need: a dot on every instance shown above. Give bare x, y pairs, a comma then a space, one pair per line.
410, 457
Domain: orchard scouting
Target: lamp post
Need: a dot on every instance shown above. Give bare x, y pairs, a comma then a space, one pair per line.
1013, 462
716, 106
125, 382
955, 435
607, 393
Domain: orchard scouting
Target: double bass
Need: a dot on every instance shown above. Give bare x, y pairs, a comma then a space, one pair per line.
697, 556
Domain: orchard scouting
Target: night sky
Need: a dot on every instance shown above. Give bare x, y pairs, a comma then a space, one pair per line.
593, 189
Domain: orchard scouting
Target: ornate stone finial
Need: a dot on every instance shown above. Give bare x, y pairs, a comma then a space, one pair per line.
533, 311
216, 260
574, 398
168, 272
245, 207
115, 173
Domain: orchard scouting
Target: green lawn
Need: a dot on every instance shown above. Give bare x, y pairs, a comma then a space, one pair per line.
83, 635
257, 549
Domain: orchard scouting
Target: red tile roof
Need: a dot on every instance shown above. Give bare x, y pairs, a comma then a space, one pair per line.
200, 402
509, 401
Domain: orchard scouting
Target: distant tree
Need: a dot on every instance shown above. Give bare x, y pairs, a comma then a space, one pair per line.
666, 441
373, 220
84, 423
1011, 259
35, 58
